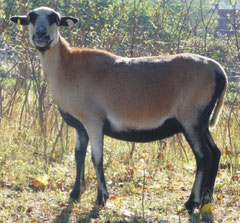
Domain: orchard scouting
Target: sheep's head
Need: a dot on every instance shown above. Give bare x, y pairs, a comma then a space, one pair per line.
43, 26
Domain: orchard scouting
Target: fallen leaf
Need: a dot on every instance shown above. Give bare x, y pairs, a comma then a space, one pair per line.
169, 166
130, 171
41, 181
179, 209
180, 197
220, 197
54, 156
89, 175
146, 190
112, 198
125, 195
235, 178
118, 201
29, 210
183, 189
207, 208
62, 204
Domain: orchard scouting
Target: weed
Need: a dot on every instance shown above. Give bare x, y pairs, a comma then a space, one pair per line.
150, 188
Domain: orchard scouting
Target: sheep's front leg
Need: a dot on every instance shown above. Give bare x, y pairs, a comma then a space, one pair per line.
80, 154
96, 140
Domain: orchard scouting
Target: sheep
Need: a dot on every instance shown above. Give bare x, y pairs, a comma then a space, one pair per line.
133, 99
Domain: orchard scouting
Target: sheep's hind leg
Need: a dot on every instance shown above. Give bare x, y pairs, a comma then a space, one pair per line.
203, 155
208, 191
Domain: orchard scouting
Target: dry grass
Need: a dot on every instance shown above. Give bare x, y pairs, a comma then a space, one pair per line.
150, 188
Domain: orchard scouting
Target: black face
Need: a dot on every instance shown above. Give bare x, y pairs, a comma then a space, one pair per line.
43, 29
43, 25
32, 17
53, 18
47, 15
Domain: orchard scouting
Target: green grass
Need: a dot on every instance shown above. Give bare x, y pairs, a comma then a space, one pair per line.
150, 187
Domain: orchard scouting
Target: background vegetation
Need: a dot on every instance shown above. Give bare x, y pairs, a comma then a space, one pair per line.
147, 182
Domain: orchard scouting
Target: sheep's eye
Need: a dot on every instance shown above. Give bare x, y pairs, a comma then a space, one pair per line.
32, 16
53, 18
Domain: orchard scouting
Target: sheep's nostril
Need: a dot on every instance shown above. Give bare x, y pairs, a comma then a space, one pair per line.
41, 31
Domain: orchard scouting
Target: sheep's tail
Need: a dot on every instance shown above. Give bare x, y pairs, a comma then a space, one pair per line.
221, 89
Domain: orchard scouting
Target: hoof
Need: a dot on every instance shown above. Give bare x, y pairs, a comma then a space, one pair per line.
207, 218
75, 195
207, 198
102, 199
190, 206
195, 218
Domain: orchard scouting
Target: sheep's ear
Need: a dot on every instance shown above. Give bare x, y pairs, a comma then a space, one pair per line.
20, 20
67, 21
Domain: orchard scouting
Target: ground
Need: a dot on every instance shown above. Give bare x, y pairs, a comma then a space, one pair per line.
152, 186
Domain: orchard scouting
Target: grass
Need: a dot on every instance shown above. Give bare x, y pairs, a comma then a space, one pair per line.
150, 187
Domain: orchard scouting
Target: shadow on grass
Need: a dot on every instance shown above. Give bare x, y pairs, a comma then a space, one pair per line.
65, 215
89, 217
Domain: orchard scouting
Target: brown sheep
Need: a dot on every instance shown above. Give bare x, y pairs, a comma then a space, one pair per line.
133, 99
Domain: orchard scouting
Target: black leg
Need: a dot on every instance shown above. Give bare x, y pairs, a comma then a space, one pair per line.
203, 155
208, 191
80, 154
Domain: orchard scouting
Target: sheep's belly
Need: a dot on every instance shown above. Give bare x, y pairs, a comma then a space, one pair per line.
168, 128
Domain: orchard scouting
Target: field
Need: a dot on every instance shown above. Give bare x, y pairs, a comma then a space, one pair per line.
149, 186
147, 182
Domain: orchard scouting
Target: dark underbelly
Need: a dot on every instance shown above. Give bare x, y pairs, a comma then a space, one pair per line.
169, 128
